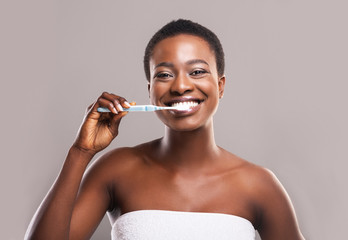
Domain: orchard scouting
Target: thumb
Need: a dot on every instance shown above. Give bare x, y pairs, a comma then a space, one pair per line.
115, 122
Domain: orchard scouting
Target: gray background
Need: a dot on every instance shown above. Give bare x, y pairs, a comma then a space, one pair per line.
285, 104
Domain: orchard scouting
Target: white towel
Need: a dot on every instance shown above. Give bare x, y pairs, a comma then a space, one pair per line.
176, 225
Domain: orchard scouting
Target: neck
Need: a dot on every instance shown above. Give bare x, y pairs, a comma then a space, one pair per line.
185, 150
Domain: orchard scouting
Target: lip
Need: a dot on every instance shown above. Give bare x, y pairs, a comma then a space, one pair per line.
184, 99
186, 112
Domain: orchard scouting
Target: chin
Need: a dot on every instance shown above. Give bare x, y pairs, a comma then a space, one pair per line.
186, 126
183, 128
186, 121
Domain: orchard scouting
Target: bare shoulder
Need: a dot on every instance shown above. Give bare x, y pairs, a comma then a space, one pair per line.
276, 217
266, 188
254, 175
255, 181
117, 161
260, 179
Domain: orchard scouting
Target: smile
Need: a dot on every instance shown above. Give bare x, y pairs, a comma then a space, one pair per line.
184, 105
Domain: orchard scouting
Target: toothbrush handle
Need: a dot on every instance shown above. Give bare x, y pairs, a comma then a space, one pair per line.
140, 108
103, 110
136, 108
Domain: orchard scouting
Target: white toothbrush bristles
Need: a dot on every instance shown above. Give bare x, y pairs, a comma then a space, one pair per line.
182, 107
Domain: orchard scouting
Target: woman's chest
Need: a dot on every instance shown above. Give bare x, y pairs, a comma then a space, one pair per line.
158, 190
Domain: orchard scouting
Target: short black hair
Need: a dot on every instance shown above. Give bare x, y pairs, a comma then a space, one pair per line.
182, 26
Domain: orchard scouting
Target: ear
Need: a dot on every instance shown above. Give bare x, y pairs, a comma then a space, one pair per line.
221, 86
148, 88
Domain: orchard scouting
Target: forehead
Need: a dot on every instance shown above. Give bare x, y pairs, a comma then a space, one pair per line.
182, 48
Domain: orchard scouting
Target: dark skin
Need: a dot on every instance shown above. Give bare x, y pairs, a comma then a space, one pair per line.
183, 171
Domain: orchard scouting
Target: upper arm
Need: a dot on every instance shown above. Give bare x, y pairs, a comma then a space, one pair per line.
92, 202
277, 215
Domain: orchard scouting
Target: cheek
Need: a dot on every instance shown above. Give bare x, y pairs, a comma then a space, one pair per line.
209, 88
156, 91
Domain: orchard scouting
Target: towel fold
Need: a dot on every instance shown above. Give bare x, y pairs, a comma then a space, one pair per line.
176, 225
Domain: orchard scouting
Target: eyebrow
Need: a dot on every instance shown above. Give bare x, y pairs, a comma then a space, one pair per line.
164, 64
194, 61
190, 62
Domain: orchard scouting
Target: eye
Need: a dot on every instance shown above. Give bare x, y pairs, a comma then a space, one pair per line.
198, 72
163, 75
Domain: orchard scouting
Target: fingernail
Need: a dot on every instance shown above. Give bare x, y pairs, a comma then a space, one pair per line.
114, 110
120, 107
127, 104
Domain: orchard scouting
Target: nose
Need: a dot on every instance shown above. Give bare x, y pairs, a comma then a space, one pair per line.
181, 84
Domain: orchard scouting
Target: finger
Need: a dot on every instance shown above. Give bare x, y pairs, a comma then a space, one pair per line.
118, 106
92, 110
115, 122
124, 102
116, 118
102, 102
116, 100
90, 106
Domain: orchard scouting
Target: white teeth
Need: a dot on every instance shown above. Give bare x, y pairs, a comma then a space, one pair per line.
184, 105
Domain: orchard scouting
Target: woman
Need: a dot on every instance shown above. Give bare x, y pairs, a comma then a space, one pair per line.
181, 186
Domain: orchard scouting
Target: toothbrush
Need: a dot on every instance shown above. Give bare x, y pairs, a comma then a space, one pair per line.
145, 108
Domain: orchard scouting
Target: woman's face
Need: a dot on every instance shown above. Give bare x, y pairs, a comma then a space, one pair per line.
183, 71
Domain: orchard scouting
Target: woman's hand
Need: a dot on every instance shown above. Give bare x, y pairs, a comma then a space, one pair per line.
61, 207
99, 129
